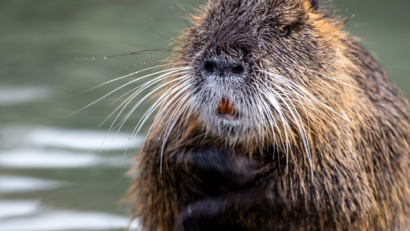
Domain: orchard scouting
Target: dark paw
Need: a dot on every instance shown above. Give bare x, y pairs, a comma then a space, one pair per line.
218, 165
201, 216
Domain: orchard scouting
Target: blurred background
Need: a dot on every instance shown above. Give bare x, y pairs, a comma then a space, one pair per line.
61, 171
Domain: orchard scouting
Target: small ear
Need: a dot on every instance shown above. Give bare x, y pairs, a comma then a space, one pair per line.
314, 4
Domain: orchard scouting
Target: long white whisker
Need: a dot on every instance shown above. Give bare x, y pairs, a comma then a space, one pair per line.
298, 121
295, 90
144, 87
124, 76
137, 91
129, 99
159, 102
274, 102
127, 75
145, 97
310, 95
170, 128
122, 86
271, 119
343, 83
167, 106
163, 76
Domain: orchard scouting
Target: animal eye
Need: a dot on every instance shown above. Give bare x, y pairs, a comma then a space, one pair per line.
285, 32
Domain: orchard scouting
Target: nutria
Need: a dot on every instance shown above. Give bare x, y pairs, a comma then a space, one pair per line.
273, 118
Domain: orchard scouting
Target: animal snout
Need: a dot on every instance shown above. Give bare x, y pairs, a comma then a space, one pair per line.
222, 68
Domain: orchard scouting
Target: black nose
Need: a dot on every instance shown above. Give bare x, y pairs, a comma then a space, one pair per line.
223, 68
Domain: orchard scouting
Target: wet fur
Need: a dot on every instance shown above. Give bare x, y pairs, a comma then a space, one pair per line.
325, 140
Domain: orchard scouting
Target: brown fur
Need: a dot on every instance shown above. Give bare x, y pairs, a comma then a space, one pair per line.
356, 175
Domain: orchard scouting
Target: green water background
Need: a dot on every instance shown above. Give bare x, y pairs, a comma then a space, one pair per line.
41, 39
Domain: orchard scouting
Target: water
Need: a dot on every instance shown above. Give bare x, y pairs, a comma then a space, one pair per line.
62, 172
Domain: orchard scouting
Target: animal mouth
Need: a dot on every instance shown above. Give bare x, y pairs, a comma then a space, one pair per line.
227, 110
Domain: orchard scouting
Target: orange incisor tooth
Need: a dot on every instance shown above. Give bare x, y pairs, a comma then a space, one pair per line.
226, 107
